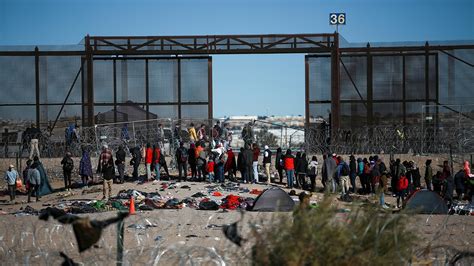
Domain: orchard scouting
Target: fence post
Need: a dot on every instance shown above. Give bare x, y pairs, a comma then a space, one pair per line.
134, 134
96, 140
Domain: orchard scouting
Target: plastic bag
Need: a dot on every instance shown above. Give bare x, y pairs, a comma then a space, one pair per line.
19, 184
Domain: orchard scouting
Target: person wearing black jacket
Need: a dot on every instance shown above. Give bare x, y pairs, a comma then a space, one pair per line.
135, 161
267, 162
68, 166
297, 162
192, 161
247, 161
279, 164
353, 172
164, 164
120, 163
240, 162
182, 159
302, 169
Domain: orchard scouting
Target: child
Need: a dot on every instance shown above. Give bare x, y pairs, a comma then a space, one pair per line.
210, 168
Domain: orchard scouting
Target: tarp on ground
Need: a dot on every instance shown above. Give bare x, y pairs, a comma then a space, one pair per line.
273, 199
426, 202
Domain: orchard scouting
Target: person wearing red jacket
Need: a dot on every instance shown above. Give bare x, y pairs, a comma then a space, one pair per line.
289, 165
402, 187
148, 160
230, 165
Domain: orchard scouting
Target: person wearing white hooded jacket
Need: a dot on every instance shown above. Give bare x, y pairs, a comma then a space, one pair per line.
313, 171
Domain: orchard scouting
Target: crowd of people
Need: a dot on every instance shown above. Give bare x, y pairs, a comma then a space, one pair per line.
200, 158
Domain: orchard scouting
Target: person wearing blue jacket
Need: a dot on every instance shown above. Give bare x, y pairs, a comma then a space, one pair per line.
11, 176
342, 174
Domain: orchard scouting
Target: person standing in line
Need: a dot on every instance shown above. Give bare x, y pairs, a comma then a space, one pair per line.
34, 179
267, 162
68, 166
192, 161
148, 160
25, 172
230, 165
329, 166
247, 163
192, 133
256, 153
107, 169
156, 161
313, 172
289, 165
11, 176
428, 174
279, 164
220, 164
297, 163
224, 134
85, 167
342, 174
353, 173
201, 162
120, 163
135, 161
164, 165
402, 187
240, 163
202, 133
182, 159
302, 170
360, 172
324, 173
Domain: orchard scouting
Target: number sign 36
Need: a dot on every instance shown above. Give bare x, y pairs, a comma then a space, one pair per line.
337, 19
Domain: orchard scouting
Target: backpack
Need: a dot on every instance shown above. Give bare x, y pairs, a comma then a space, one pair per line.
402, 183
68, 164
360, 168
183, 155
345, 170
313, 171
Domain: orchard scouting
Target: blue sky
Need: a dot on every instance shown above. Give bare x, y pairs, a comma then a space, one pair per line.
269, 84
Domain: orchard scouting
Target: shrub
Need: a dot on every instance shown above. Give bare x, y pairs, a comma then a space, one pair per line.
325, 236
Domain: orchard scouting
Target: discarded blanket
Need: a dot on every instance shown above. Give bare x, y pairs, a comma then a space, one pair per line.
207, 204
231, 202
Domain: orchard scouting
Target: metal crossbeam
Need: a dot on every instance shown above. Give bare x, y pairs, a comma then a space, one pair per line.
213, 44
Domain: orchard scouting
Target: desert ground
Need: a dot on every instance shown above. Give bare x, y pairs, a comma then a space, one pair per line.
170, 236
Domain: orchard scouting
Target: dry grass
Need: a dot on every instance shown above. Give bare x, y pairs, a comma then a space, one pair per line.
325, 236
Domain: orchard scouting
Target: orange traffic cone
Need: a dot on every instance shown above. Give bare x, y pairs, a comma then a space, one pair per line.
132, 206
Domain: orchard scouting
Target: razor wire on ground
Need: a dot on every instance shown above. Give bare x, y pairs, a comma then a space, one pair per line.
40, 243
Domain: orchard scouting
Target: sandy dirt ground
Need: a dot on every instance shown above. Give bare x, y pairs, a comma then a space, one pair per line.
170, 236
